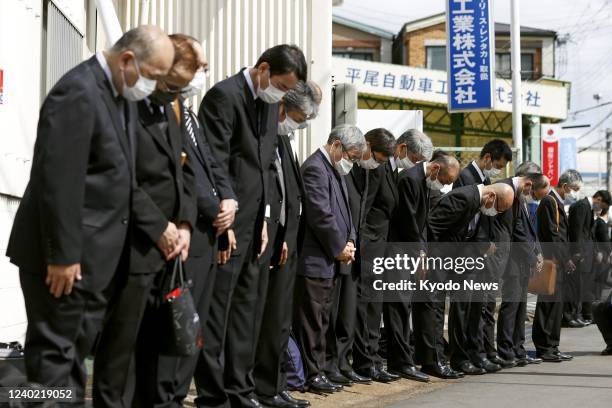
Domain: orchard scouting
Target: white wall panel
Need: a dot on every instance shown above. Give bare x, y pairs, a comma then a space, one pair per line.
235, 32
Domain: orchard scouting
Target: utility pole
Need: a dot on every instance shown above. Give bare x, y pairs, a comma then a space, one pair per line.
517, 100
609, 159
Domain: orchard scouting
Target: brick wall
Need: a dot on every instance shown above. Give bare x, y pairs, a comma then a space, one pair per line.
415, 43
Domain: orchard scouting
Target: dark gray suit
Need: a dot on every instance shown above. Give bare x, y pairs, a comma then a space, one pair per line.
76, 209
329, 227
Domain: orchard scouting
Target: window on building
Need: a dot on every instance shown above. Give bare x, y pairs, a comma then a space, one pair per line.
436, 57
360, 55
503, 66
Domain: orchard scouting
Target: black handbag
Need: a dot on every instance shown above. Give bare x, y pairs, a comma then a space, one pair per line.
183, 332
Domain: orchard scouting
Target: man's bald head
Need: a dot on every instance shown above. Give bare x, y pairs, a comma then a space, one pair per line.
447, 165
145, 50
499, 194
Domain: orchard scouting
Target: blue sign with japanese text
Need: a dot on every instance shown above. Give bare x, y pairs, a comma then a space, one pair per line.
470, 55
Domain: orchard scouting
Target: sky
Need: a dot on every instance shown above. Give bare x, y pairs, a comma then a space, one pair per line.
588, 52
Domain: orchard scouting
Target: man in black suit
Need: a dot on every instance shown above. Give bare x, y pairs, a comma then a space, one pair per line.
285, 233
409, 225
329, 241
163, 213
524, 256
382, 200
70, 232
554, 237
240, 119
580, 225
341, 332
474, 335
601, 253
216, 207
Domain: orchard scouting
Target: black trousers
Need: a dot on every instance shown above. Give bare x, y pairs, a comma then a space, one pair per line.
602, 313
488, 348
224, 371
428, 328
311, 313
174, 374
270, 378
547, 321
465, 330
400, 351
341, 331
61, 333
575, 289
512, 316
367, 325
122, 356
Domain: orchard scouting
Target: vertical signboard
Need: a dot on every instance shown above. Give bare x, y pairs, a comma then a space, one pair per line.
550, 152
470, 55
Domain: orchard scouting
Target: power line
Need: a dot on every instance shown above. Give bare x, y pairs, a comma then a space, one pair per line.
595, 127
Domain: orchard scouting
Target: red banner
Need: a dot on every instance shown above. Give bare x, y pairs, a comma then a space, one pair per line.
550, 159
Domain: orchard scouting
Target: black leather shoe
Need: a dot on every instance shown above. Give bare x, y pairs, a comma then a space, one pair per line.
521, 362
503, 363
409, 373
584, 323
607, 351
302, 403
563, 356
550, 358
487, 365
441, 371
377, 375
337, 387
320, 385
254, 403
276, 401
533, 360
573, 324
356, 378
337, 378
470, 369
588, 321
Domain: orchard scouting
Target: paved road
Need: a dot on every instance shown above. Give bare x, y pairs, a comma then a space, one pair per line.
584, 382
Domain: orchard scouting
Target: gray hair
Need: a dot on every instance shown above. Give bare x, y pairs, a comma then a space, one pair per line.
527, 167
570, 177
301, 99
349, 135
139, 40
417, 142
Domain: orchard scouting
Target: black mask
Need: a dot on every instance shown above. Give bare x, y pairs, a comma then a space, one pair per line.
162, 98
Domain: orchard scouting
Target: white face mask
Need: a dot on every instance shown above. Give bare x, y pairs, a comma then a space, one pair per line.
369, 164
490, 212
141, 89
344, 166
287, 126
492, 172
573, 194
528, 198
404, 163
196, 85
271, 94
434, 184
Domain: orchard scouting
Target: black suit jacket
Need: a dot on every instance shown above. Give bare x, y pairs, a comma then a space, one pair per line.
292, 232
549, 231
241, 132
486, 229
580, 225
328, 222
602, 237
164, 191
381, 203
357, 185
212, 184
76, 207
410, 220
449, 220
